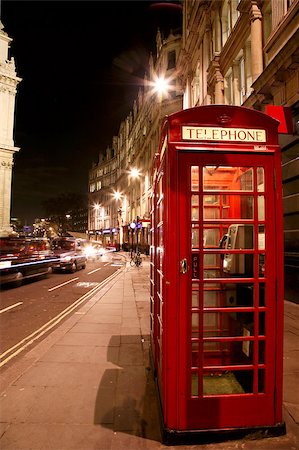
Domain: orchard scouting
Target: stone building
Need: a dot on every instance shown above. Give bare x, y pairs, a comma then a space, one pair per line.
246, 52
8, 90
120, 183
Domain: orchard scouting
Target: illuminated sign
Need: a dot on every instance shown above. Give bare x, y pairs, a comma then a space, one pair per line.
223, 134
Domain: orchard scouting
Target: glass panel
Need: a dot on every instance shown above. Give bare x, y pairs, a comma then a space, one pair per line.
195, 236
227, 178
228, 353
236, 265
262, 324
261, 237
261, 380
262, 294
212, 265
228, 295
195, 295
239, 237
195, 324
194, 178
194, 385
227, 382
228, 207
211, 237
218, 324
261, 207
262, 267
262, 350
194, 207
211, 213
260, 179
195, 359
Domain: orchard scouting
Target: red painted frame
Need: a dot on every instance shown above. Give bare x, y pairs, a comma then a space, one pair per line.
168, 355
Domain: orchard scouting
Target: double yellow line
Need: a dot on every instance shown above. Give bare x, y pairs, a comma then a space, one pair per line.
24, 343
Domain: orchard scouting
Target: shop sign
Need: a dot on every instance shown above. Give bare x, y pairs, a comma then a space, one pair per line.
223, 134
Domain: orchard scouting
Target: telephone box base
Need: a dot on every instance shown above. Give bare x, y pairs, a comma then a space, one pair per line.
175, 437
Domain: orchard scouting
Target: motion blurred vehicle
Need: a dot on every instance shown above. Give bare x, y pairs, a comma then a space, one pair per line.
23, 258
92, 250
69, 254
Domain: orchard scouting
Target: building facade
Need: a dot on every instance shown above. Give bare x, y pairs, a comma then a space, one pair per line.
234, 52
120, 183
246, 52
8, 90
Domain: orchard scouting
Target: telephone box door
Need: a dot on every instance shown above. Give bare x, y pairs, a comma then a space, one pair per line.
227, 290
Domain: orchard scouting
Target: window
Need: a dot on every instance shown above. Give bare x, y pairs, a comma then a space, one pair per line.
228, 88
171, 60
242, 80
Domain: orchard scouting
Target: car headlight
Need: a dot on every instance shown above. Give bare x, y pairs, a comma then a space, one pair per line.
66, 259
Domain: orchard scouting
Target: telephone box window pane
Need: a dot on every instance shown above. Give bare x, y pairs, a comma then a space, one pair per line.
261, 237
236, 265
227, 382
228, 295
262, 324
211, 237
228, 353
194, 207
262, 350
228, 207
195, 324
261, 380
194, 178
262, 294
194, 385
195, 359
260, 179
227, 178
262, 267
195, 295
239, 237
212, 265
195, 236
217, 324
261, 207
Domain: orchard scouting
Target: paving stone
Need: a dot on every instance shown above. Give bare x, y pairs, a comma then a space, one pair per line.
93, 339
56, 437
62, 374
80, 354
87, 327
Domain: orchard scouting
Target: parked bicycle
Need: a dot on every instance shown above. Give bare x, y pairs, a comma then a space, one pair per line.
136, 259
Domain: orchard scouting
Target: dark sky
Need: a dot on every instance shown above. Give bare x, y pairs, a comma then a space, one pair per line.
80, 64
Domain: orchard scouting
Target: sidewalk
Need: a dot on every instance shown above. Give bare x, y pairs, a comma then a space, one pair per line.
89, 385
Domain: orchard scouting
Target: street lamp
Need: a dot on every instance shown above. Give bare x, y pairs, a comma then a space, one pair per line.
134, 172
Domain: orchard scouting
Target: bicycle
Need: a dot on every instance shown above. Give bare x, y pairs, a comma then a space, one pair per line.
136, 259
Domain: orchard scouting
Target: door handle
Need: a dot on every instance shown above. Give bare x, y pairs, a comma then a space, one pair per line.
183, 265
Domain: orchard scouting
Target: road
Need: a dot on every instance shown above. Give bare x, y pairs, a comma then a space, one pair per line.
30, 311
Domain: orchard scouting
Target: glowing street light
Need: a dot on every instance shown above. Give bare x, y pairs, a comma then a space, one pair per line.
117, 195
135, 173
161, 85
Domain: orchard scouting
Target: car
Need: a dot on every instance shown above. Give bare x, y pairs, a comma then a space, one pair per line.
69, 254
22, 258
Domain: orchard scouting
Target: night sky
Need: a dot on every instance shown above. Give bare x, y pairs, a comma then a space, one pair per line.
81, 63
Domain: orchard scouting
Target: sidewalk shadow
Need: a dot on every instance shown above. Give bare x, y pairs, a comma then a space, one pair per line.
127, 399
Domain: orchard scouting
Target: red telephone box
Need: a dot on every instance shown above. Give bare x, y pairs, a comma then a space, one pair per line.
217, 274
